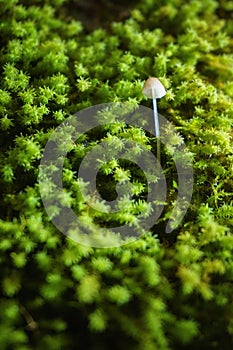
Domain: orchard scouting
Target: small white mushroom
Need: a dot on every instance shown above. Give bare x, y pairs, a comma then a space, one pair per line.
154, 89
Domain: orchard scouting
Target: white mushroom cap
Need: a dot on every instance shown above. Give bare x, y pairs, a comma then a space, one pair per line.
153, 84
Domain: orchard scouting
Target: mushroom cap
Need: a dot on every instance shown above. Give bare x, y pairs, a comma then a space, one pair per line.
153, 84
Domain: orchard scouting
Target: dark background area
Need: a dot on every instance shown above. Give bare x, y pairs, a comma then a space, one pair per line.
98, 14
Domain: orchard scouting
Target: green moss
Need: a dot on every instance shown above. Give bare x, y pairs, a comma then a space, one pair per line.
162, 291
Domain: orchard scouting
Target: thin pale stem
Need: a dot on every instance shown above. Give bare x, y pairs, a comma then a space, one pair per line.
156, 122
156, 117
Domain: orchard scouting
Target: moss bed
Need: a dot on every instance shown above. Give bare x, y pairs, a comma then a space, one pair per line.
163, 291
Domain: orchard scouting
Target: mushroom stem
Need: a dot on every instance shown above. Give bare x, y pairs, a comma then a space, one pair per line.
156, 122
155, 111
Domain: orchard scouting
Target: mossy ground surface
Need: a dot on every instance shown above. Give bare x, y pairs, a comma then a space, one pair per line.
163, 292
